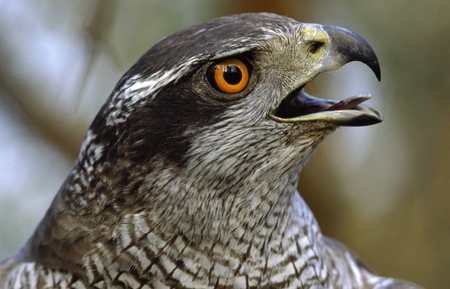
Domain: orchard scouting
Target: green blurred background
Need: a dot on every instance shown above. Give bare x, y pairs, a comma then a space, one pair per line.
383, 190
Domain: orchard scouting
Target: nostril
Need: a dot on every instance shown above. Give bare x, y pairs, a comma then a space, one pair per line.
314, 46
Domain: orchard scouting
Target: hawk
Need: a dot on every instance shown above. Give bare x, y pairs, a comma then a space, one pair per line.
187, 176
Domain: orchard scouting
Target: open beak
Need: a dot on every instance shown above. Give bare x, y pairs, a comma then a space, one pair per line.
333, 47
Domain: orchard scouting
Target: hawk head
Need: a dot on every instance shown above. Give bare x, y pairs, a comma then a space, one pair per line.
219, 110
204, 138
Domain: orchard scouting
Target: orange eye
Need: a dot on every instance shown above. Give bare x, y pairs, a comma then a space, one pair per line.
229, 76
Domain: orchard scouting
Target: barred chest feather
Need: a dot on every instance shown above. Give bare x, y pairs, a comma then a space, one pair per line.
293, 258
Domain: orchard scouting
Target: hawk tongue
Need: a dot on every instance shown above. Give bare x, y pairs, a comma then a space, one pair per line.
350, 102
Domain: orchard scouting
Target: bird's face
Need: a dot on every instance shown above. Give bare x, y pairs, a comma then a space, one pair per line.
219, 109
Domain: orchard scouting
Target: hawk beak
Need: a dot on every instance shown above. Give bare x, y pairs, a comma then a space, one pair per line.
345, 46
332, 47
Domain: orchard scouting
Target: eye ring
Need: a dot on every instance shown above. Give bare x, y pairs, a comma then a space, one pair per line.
229, 76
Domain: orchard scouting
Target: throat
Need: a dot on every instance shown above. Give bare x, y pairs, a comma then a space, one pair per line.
250, 224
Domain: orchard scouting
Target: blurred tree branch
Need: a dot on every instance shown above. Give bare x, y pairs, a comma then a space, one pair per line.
62, 130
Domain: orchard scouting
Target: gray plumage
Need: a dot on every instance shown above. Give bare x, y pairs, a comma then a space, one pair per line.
181, 185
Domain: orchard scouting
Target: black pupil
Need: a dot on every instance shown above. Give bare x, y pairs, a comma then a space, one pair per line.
232, 74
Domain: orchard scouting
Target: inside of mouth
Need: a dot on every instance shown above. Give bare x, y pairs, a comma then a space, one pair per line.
298, 103
295, 105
